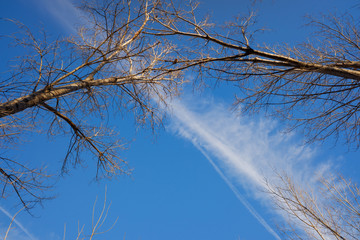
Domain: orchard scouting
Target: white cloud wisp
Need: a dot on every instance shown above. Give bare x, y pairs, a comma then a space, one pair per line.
246, 153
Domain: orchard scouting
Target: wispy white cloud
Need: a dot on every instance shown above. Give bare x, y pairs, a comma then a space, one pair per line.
238, 195
64, 12
247, 153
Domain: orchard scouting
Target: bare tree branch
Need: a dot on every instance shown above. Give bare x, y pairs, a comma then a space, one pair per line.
68, 82
332, 213
315, 84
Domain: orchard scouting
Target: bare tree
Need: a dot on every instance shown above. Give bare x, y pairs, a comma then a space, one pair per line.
315, 84
331, 213
61, 86
129, 56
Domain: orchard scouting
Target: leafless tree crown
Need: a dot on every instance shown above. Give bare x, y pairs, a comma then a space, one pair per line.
132, 56
331, 213
315, 84
67, 83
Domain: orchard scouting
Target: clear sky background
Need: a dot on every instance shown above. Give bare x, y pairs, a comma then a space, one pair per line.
201, 176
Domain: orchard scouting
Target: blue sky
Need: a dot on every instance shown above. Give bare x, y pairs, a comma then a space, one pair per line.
201, 177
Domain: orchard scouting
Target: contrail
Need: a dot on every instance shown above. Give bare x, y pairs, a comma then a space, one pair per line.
199, 135
249, 162
238, 195
31, 237
246, 151
180, 108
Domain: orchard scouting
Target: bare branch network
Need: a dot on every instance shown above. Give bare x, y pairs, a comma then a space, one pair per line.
132, 57
331, 213
315, 84
110, 63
